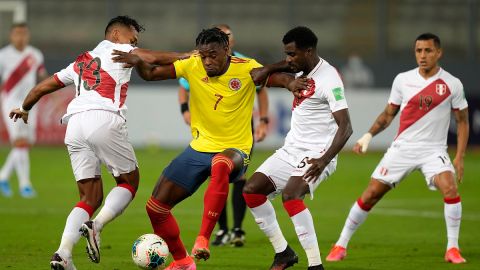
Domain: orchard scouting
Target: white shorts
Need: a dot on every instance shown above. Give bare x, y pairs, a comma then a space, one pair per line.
399, 161
19, 130
95, 137
285, 163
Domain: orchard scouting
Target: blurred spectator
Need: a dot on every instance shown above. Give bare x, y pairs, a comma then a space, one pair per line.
356, 74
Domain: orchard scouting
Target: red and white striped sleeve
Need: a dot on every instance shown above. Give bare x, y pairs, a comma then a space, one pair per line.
65, 76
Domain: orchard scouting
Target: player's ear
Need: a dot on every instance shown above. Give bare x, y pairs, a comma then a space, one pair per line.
440, 53
115, 34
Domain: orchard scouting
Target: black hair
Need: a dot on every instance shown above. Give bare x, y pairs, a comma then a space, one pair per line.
211, 35
19, 24
428, 36
125, 21
302, 36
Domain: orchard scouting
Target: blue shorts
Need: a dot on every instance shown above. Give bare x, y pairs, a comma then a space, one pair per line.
191, 168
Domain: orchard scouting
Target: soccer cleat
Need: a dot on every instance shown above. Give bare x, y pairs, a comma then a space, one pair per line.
237, 238
200, 249
27, 192
88, 231
453, 256
337, 253
316, 267
5, 188
222, 238
59, 263
184, 264
284, 259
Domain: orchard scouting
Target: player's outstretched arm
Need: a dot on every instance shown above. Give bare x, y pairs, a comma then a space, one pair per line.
344, 131
46, 86
160, 57
382, 122
463, 128
260, 75
147, 71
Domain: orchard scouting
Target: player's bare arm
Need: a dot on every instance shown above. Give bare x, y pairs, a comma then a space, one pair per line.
160, 57
344, 131
461, 118
260, 75
46, 86
262, 127
147, 71
382, 122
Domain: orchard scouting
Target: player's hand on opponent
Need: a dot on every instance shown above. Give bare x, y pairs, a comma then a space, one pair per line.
362, 144
297, 86
17, 113
312, 174
129, 59
261, 131
259, 75
458, 164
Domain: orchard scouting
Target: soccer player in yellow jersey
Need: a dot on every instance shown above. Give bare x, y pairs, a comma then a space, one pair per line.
221, 101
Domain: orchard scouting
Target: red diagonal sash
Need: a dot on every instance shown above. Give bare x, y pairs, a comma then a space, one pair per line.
17, 75
422, 103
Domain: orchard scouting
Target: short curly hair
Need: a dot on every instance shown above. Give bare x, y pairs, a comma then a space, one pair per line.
302, 36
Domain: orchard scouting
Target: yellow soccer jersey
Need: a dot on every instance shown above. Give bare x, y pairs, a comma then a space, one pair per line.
221, 107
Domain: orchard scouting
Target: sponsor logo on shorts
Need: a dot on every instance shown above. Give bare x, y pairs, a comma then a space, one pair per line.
383, 171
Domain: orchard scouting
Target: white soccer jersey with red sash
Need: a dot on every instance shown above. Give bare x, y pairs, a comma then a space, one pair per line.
100, 84
425, 107
313, 126
18, 70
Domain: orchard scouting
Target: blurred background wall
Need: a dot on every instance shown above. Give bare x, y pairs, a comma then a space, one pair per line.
379, 33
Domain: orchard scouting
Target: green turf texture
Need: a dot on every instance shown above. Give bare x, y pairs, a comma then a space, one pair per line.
406, 230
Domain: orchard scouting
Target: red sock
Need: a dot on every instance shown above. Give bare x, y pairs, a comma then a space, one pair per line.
165, 226
216, 193
364, 206
294, 207
254, 200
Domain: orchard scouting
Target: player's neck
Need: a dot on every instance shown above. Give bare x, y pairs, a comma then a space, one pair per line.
19, 47
428, 73
311, 64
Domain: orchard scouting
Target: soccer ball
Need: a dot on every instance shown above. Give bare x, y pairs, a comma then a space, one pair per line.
149, 251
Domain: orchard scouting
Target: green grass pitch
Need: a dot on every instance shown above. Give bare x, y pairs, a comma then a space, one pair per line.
406, 230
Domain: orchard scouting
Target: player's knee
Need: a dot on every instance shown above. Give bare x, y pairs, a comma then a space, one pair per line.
450, 191
235, 157
249, 188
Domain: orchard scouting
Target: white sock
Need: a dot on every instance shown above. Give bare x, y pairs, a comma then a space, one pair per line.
305, 230
71, 233
8, 165
22, 166
117, 200
355, 218
267, 221
453, 216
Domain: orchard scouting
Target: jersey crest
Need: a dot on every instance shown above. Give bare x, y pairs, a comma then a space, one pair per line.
306, 93
235, 84
441, 89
